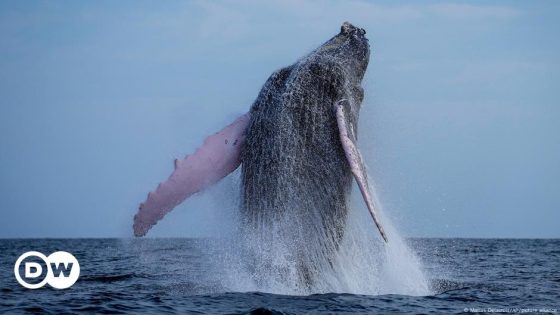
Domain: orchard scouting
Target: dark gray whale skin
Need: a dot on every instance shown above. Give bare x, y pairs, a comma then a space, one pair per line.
295, 177
298, 152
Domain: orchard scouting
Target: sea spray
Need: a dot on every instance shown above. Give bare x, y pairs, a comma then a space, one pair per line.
362, 264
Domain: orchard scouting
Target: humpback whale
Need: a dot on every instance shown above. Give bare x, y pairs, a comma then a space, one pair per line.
297, 148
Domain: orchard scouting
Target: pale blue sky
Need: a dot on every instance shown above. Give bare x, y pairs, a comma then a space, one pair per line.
460, 125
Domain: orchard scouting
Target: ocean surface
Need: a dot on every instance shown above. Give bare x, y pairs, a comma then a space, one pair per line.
169, 276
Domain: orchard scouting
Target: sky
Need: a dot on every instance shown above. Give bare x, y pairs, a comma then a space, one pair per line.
459, 126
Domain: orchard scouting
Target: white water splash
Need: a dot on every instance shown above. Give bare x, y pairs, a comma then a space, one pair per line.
363, 263
370, 266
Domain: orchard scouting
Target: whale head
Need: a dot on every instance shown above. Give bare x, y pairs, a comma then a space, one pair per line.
349, 49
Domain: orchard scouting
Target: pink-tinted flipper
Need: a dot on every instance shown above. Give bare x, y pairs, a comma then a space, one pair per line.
218, 156
357, 166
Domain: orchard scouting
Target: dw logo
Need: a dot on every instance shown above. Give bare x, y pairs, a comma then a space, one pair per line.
60, 270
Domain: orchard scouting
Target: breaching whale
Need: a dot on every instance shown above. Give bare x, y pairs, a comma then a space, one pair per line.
297, 147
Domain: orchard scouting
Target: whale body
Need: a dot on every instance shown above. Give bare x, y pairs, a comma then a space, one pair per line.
297, 148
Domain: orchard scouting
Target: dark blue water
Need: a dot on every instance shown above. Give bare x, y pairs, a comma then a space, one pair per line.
172, 276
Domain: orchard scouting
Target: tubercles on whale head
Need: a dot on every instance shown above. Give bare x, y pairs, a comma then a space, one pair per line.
350, 49
349, 29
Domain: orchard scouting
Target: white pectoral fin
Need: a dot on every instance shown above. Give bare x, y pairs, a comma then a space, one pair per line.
215, 159
357, 166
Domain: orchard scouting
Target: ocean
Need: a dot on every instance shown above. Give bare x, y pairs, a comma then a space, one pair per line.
170, 276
